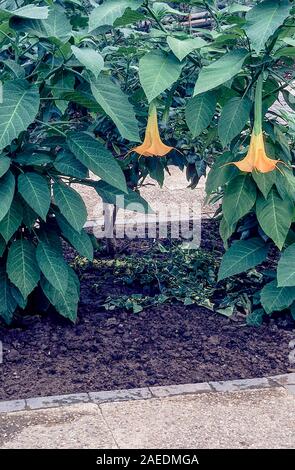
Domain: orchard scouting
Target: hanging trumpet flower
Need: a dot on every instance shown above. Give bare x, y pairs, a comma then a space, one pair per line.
152, 144
256, 158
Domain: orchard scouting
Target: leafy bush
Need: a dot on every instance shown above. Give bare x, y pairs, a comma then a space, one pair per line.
79, 81
54, 99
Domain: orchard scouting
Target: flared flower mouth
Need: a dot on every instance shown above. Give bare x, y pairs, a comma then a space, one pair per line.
152, 145
256, 158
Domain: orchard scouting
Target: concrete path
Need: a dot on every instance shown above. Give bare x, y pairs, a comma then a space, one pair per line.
263, 418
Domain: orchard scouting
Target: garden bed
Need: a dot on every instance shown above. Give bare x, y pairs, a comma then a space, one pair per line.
170, 343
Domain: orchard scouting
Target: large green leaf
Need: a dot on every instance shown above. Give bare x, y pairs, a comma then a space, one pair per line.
7, 186
4, 165
83, 98
67, 164
239, 198
22, 267
264, 181
220, 71
274, 299
274, 216
27, 11
11, 222
97, 158
7, 301
35, 191
130, 201
199, 112
234, 116
286, 267
109, 11
52, 266
71, 205
157, 72
221, 173
66, 303
90, 58
182, 47
79, 240
18, 110
264, 19
117, 106
56, 26
241, 256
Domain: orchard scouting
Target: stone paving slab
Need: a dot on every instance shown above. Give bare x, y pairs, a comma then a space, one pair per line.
70, 427
249, 419
242, 415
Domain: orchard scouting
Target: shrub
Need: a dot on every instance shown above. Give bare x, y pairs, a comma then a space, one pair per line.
76, 74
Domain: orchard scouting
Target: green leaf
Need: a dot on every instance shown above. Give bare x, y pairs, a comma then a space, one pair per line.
239, 198
57, 26
35, 191
286, 268
7, 302
157, 72
66, 303
117, 106
199, 112
255, 318
182, 47
67, 164
84, 99
52, 266
7, 186
274, 216
79, 240
22, 267
130, 201
275, 299
241, 256
71, 205
221, 173
11, 222
109, 11
264, 181
161, 9
220, 71
97, 158
285, 183
264, 19
27, 11
226, 231
2, 246
18, 110
4, 165
28, 158
130, 16
90, 58
234, 116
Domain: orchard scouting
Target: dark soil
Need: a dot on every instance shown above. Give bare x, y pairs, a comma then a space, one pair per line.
170, 344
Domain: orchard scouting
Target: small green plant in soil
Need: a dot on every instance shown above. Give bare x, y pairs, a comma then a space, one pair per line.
169, 274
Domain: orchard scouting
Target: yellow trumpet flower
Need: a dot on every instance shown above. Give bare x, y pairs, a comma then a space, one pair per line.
152, 144
256, 158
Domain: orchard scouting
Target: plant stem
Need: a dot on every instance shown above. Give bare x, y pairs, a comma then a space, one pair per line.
51, 127
258, 105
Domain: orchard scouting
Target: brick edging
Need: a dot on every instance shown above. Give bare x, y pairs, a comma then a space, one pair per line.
286, 381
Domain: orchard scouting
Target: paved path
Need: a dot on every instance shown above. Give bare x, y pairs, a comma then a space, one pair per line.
263, 418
